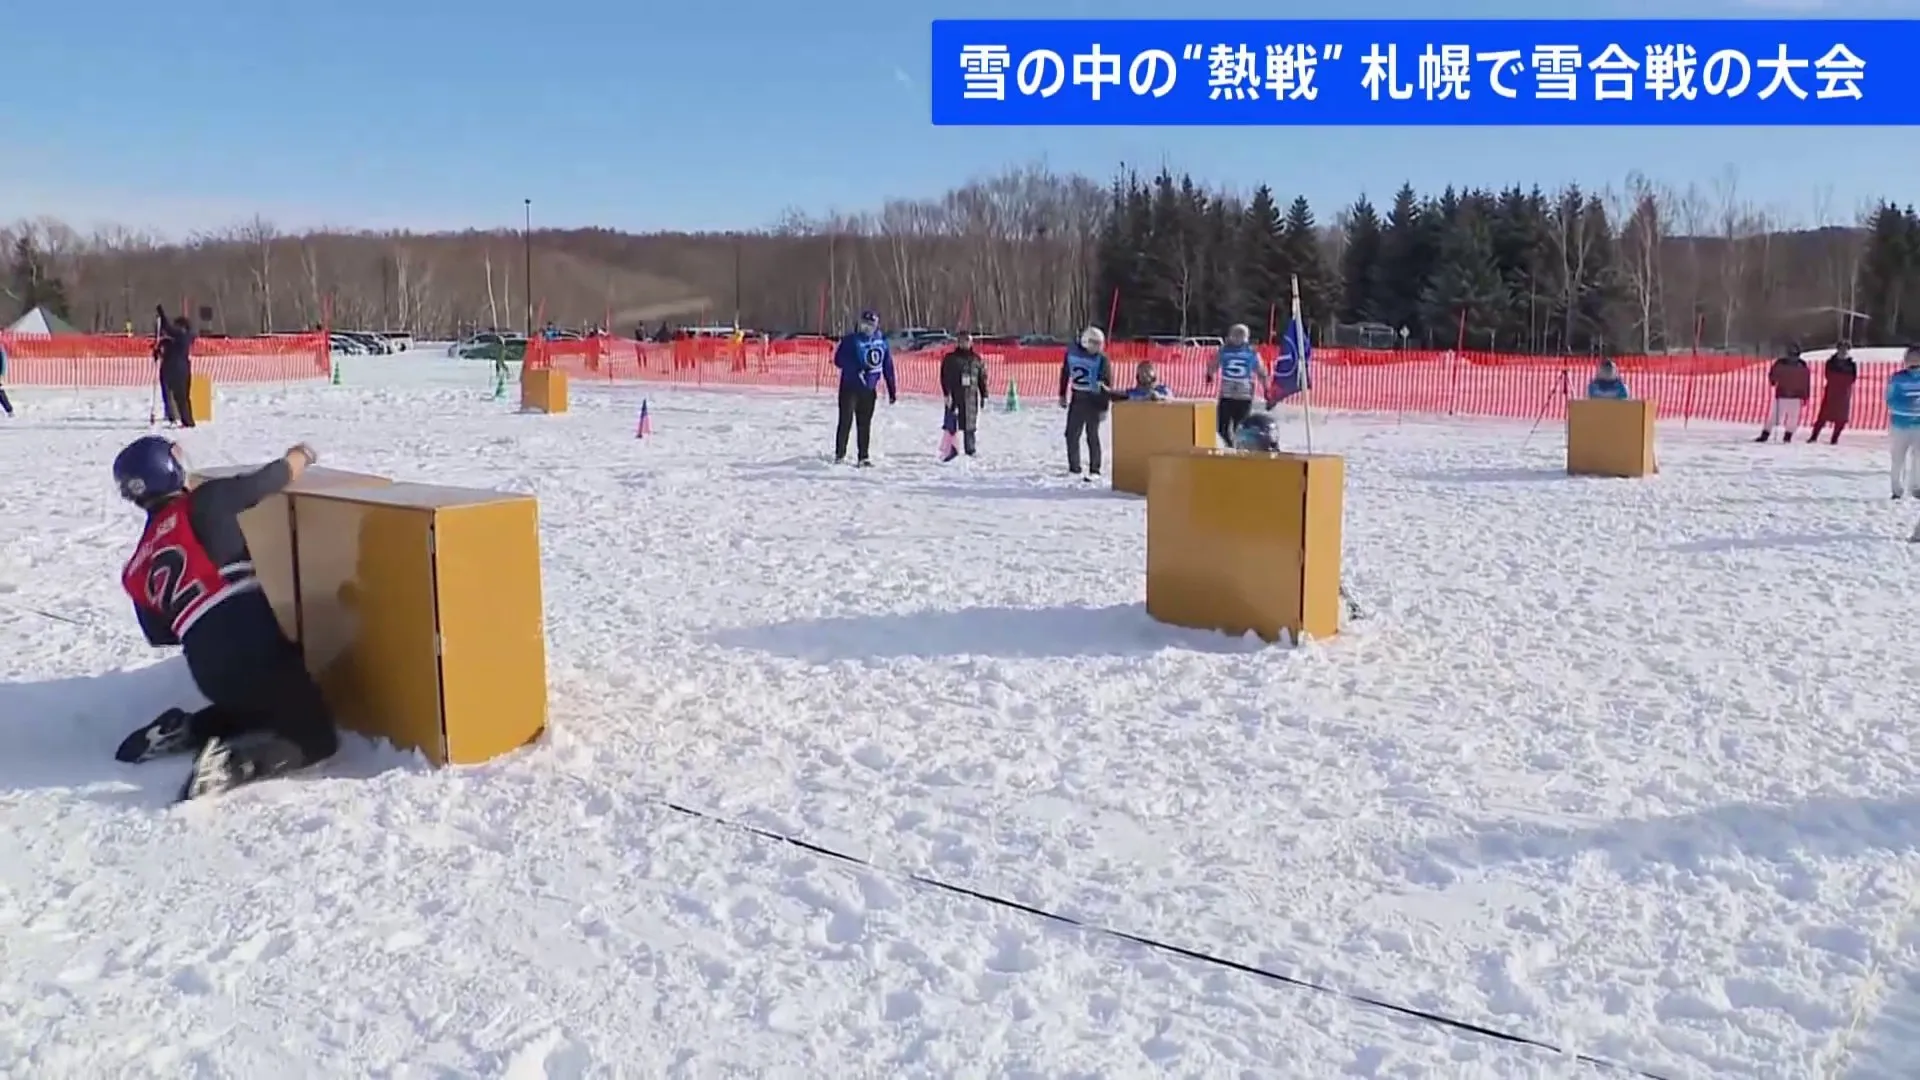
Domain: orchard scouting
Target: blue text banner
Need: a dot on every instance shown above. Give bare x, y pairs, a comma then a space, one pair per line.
1323, 72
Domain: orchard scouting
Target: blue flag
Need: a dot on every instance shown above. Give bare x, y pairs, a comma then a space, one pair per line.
1290, 375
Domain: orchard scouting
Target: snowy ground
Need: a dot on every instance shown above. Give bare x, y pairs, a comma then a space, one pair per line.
1622, 767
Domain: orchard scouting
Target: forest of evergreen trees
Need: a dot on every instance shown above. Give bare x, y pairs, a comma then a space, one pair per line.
1516, 270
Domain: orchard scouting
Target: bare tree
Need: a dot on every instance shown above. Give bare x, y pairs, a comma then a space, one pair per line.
259, 235
1645, 221
1572, 238
1733, 223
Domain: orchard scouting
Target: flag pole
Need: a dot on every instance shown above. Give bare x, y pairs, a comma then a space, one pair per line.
1306, 377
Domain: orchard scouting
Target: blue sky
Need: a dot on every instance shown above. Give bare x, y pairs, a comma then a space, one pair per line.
718, 113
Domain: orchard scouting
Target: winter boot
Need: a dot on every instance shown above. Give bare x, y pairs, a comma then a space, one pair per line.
1764, 436
170, 733
1786, 437
225, 764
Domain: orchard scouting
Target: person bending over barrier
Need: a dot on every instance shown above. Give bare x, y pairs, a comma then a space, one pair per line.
192, 584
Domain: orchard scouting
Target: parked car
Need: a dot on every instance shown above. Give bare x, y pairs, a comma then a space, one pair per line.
491, 346
370, 343
931, 339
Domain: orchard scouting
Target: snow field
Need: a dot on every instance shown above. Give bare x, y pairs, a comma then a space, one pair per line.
1620, 766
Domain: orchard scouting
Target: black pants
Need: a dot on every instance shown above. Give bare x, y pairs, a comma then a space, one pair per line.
1227, 415
965, 424
1085, 413
856, 414
4, 403
176, 381
266, 689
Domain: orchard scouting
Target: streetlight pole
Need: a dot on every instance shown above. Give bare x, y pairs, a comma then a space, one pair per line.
736, 283
526, 244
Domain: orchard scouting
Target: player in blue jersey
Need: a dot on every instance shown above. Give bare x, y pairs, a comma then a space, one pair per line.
1607, 382
865, 361
1146, 385
1241, 373
1086, 389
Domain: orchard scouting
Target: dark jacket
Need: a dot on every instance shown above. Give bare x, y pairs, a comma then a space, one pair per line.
1791, 379
1836, 395
175, 345
963, 382
227, 647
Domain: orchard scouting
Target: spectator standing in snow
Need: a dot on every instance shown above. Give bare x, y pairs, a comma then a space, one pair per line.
173, 347
1241, 371
1607, 383
1792, 384
963, 382
5, 405
1086, 386
1903, 424
1836, 394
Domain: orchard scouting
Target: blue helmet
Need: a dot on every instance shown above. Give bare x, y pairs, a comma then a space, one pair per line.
869, 321
1256, 432
149, 470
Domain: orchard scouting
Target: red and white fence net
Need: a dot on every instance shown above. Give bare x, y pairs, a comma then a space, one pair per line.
1730, 389
78, 361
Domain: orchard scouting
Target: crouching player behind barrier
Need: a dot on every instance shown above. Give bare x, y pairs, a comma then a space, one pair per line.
1146, 386
1258, 433
192, 584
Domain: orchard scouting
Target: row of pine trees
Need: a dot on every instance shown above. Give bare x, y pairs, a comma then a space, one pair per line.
1516, 270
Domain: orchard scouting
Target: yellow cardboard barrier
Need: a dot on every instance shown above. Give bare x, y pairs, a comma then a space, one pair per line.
1240, 542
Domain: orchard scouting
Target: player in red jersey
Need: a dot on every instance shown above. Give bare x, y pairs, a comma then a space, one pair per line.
192, 583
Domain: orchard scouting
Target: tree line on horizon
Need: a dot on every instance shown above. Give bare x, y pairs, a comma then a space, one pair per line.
1638, 268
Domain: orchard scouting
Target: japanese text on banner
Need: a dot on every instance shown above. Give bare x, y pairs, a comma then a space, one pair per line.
1287, 72
1490, 72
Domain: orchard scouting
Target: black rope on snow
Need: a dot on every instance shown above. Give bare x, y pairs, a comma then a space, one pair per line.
1405, 1011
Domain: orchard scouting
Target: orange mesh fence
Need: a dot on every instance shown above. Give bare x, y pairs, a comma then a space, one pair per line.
1730, 389
103, 360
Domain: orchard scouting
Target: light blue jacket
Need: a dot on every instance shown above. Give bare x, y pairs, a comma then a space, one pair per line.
1616, 389
1903, 400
